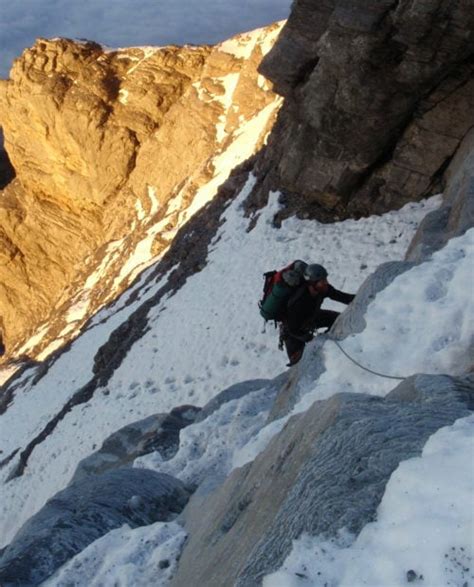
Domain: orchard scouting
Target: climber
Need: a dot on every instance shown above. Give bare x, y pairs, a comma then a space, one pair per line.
277, 289
303, 314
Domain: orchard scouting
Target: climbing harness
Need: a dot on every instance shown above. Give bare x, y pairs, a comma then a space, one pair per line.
362, 366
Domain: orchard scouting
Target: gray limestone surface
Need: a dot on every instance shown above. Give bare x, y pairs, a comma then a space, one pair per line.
84, 512
327, 469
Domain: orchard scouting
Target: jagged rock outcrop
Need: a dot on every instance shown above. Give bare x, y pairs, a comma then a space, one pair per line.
113, 151
326, 470
84, 512
157, 433
378, 96
456, 215
232, 393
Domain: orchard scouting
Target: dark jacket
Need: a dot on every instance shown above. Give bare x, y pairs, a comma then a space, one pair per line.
302, 307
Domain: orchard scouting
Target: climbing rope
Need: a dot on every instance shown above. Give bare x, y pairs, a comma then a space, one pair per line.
365, 368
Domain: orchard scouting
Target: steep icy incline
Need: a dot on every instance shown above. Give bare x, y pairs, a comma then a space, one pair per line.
325, 472
187, 347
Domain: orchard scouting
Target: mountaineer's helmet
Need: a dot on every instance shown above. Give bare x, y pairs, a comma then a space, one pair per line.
293, 275
315, 272
300, 266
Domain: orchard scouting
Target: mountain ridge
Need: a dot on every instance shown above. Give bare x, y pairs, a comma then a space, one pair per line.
87, 186
175, 374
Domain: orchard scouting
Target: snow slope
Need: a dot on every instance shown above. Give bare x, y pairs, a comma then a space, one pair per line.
424, 525
214, 318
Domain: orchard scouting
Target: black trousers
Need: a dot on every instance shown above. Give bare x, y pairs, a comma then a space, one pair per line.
295, 341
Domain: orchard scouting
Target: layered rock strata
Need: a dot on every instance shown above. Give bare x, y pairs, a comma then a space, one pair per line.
113, 151
378, 96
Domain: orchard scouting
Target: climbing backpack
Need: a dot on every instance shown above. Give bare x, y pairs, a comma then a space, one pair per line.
278, 286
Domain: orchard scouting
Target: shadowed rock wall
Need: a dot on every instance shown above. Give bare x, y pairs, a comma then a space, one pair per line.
456, 215
379, 95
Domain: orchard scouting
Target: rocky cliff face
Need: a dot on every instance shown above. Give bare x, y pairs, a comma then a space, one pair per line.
378, 96
325, 471
113, 151
328, 467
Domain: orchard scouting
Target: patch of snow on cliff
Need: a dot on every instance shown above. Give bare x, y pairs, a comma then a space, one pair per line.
137, 557
34, 340
141, 214
154, 202
270, 39
229, 83
242, 46
263, 83
123, 96
78, 310
423, 531
240, 149
147, 53
140, 259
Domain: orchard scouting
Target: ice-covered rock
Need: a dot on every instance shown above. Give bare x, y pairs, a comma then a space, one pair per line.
325, 471
157, 433
231, 393
84, 512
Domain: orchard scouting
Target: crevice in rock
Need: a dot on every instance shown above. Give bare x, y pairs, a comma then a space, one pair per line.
133, 159
437, 178
7, 171
305, 73
465, 71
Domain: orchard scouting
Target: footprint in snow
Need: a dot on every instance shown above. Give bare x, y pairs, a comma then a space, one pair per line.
435, 291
